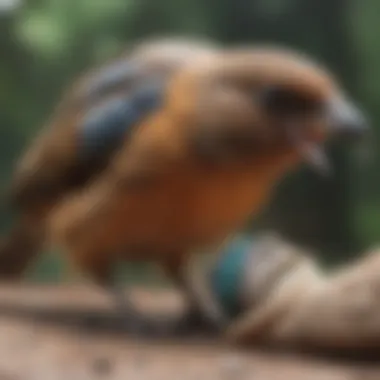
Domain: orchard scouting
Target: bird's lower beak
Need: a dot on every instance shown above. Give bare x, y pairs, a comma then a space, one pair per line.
313, 153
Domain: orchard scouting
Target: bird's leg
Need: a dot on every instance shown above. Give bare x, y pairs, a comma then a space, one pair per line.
123, 302
132, 320
85, 226
204, 310
100, 272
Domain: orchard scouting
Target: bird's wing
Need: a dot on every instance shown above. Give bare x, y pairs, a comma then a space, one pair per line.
93, 118
86, 130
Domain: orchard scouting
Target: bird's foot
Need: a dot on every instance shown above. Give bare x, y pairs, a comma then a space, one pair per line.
137, 324
194, 322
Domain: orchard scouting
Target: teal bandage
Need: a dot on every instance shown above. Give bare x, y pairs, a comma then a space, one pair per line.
228, 272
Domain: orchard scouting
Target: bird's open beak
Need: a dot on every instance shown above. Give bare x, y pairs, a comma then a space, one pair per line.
345, 122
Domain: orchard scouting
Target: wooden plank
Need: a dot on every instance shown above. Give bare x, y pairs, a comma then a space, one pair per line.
33, 347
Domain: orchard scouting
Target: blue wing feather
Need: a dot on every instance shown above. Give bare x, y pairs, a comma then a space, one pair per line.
105, 126
109, 78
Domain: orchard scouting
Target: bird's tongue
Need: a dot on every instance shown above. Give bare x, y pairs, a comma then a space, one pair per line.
315, 156
312, 152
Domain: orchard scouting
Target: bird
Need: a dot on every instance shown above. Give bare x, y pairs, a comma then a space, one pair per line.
167, 152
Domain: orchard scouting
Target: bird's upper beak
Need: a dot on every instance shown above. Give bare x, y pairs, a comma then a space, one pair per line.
344, 122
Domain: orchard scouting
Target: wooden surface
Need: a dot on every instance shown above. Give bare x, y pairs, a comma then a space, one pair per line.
68, 333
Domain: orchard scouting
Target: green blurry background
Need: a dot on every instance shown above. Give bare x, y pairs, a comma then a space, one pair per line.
45, 43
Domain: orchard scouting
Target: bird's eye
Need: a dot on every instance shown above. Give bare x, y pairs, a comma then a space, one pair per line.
284, 102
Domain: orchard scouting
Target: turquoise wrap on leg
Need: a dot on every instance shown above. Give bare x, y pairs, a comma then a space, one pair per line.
227, 273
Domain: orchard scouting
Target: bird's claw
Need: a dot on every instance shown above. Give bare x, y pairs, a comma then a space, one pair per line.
194, 321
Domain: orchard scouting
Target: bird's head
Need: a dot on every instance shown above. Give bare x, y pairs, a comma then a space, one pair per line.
261, 99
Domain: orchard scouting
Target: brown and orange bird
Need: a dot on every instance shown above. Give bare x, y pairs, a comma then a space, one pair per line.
168, 151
